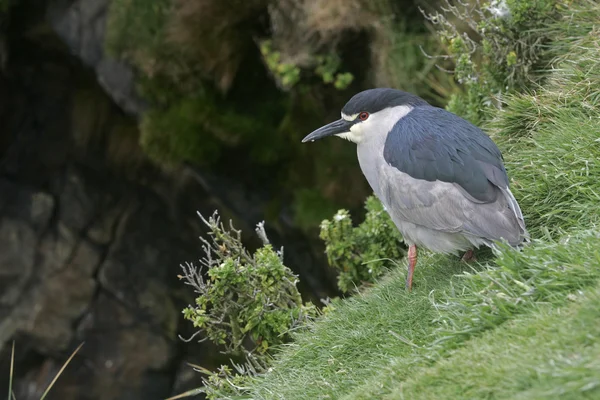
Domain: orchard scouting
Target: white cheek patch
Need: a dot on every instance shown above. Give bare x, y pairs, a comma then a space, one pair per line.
345, 135
355, 134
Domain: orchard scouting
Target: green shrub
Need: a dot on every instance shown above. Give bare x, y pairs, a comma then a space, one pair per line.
287, 74
246, 296
361, 254
496, 48
248, 304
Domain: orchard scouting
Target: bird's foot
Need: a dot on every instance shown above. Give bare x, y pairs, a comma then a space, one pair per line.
469, 256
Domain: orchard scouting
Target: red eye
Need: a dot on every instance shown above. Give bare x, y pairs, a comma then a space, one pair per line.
363, 115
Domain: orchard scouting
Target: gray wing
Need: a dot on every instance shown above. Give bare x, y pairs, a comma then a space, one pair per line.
444, 207
443, 173
433, 144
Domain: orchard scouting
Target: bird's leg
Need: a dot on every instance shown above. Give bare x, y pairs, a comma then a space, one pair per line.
412, 261
469, 256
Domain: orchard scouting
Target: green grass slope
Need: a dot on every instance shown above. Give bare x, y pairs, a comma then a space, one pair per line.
510, 363
383, 342
519, 325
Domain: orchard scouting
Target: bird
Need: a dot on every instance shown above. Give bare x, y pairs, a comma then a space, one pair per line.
441, 179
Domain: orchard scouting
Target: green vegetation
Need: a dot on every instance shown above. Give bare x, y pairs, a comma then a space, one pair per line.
522, 324
551, 353
136, 33
190, 119
245, 296
247, 304
229, 87
552, 141
496, 47
401, 61
363, 253
287, 74
373, 345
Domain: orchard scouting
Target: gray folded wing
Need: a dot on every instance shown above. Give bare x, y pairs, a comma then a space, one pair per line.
443, 173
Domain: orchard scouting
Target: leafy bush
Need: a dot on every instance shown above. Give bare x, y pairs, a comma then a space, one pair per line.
362, 253
248, 303
287, 74
496, 47
246, 296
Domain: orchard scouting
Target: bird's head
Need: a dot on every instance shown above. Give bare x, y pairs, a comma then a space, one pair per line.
369, 112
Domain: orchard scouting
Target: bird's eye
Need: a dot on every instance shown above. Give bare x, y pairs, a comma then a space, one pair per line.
363, 116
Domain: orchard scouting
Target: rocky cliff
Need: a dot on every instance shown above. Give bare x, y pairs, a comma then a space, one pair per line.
92, 232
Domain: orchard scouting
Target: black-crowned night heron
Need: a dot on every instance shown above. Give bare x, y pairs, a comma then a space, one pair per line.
441, 179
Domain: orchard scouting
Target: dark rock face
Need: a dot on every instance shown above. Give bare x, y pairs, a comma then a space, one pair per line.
87, 254
91, 233
81, 25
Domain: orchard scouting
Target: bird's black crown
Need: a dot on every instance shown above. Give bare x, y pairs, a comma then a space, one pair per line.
373, 100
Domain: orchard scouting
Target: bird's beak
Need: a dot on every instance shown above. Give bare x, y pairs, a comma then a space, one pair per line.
334, 128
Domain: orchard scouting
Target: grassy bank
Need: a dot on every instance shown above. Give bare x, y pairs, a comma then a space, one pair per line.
517, 325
